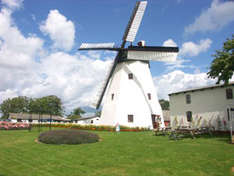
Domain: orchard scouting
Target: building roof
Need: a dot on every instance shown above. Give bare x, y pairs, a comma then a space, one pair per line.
203, 88
86, 118
26, 116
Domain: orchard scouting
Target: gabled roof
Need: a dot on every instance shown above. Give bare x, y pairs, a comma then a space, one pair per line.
26, 116
203, 88
86, 118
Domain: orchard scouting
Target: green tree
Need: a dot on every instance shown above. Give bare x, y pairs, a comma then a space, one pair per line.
222, 67
14, 105
98, 113
47, 105
76, 113
164, 104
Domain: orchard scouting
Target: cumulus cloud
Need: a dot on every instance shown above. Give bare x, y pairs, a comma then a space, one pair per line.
218, 15
193, 49
59, 29
12, 4
169, 42
17, 54
24, 71
178, 80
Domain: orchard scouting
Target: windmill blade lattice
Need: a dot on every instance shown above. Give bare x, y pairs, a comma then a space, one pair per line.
135, 21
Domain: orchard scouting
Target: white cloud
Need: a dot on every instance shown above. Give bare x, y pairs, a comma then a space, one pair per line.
216, 17
60, 30
17, 55
193, 49
178, 81
7, 94
73, 78
169, 42
12, 3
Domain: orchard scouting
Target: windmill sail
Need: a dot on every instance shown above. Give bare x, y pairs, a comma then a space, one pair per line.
150, 55
166, 54
97, 46
106, 81
135, 21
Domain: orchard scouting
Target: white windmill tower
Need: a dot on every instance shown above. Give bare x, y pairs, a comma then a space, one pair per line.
130, 95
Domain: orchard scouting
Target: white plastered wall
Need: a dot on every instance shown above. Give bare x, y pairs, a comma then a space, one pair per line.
208, 104
130, 97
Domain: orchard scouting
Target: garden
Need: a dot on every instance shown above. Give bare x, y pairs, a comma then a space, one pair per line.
116, 154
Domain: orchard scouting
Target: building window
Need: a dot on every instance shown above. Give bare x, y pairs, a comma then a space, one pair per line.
130, 118
149, 96
189, 116
188, 99
112, 96
130, 76
91, 121
229, 93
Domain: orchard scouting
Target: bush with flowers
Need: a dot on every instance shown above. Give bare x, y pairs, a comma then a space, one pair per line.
93, 127
13, 126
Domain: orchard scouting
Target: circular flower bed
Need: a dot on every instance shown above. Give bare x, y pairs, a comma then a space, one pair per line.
67, 136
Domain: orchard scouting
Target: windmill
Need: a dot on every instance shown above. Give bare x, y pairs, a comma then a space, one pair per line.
130, 95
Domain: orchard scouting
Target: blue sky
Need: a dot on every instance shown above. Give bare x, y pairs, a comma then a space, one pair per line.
39, 42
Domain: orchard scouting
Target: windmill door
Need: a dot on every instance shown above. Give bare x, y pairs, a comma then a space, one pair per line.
154, 121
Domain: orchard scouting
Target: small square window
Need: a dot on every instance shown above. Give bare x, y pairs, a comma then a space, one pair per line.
130, 76
229, 94
189, 116
149, 96
130, 118
188, 99
112, 96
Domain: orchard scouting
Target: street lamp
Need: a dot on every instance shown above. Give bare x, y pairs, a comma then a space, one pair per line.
50, 105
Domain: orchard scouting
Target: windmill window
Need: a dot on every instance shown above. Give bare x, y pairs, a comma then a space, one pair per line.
188, 99
112, 96
229, 94
130, 118
149, 96
130, 76
189, 116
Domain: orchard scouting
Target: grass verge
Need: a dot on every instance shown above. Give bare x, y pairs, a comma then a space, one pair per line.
119, 154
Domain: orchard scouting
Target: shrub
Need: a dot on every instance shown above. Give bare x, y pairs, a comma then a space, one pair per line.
13, 126
67, 136
93, 127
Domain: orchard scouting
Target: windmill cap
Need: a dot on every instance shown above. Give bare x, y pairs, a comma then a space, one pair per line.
141, 43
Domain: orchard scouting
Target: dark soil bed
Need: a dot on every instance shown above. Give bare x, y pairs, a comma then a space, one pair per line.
67, 136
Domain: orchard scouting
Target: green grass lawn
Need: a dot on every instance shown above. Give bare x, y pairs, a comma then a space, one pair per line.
125, 153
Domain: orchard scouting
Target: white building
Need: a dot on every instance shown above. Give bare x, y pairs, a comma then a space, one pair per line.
94, 120
35, 118
205, 106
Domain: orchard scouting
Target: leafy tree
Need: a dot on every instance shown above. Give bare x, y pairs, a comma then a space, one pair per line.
45, 105
164, 104
76, 113
98, 113
222, 67
14, 105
